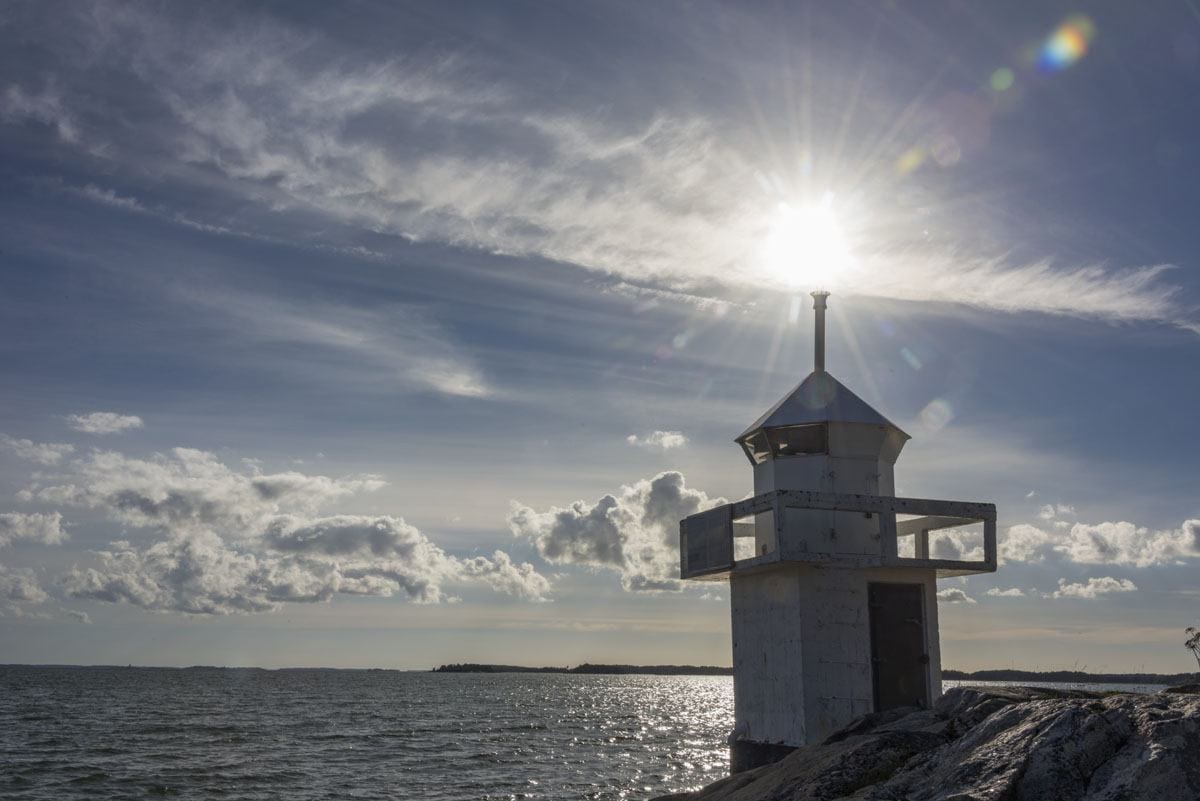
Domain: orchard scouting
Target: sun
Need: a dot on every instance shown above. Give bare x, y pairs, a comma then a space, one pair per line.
805, 246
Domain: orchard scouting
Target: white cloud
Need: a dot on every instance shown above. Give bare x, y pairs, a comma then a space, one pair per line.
958, 545
81, 617
104, 422
1011, 592
20, 585
191, 489
658, 440
199, 573
634, 532
1024, 543
439, 146
45, 529
1123, 543
1094, 588
504, 575
1052, 511
1111, 543
47, 453
234, 541
954, 595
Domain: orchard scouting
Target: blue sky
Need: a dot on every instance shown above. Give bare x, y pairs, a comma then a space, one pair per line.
411, 328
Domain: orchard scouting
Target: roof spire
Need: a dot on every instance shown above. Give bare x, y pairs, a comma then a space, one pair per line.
819, 339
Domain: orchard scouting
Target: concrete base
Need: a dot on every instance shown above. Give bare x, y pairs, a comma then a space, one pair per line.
748, 754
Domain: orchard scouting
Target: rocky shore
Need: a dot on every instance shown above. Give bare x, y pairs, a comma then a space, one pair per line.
995, 744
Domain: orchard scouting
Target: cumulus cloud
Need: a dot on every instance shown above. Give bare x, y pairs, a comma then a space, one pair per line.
955, 595
506, 576
446, 147
1011, 592
1094, 588
104, 422
36, 527
191, 489
1024, 543
47, 453
658, 440
1113, 543
20, 585
239, 541
1051, 511
198, 573
954, 544
634, 532
1123, 543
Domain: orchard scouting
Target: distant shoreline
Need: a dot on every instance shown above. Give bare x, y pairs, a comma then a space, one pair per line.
1056, 676
592, 670
1071, 677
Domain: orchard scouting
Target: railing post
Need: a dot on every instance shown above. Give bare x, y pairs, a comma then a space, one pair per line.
989, 540
921, 546
888, 553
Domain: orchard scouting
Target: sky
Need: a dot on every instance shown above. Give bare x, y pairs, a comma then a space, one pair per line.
396, 334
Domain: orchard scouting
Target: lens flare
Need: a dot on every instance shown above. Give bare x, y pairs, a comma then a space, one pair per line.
805, 246
936, 414
1067, 44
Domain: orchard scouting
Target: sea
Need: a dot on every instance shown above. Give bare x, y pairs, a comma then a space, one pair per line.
243, 733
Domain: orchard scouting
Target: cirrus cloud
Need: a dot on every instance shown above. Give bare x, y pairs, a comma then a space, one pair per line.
444, 146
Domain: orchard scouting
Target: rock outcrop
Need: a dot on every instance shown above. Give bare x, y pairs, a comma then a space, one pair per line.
995, 744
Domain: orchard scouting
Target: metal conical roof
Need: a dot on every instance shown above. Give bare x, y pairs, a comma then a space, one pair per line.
820, 398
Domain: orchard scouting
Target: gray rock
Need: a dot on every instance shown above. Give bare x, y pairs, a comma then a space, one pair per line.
998, 744
1184, 689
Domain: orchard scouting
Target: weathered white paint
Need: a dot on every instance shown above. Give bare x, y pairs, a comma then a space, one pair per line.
802, 648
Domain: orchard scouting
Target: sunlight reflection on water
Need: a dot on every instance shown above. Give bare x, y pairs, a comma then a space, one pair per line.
306, 734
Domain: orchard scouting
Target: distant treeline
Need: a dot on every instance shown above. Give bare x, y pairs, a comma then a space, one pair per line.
607, 670
1072, 677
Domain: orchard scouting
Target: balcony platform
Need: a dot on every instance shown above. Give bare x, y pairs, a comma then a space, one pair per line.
707, 539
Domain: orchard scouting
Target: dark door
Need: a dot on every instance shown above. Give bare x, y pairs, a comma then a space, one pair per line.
900, 665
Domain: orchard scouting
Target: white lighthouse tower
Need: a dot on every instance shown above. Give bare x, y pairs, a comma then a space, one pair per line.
832, 588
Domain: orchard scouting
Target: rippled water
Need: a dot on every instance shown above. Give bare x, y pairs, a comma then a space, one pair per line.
89, 733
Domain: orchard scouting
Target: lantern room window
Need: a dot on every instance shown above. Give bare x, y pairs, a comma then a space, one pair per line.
756, 447
799, 440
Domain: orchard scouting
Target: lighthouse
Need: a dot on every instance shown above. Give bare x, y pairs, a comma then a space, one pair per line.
832, 578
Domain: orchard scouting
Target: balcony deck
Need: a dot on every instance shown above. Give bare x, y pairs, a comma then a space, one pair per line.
706, 539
